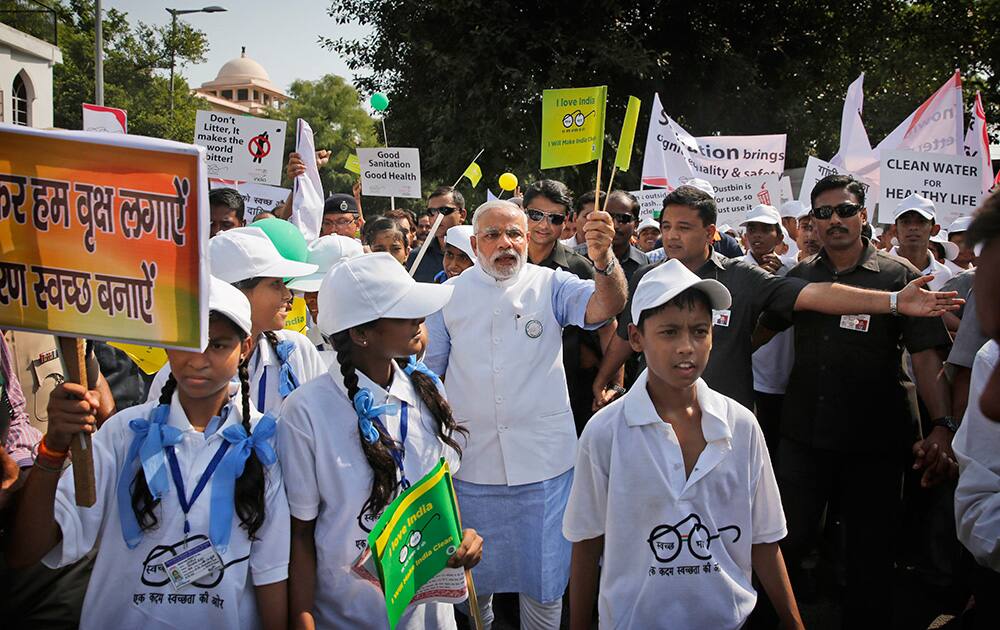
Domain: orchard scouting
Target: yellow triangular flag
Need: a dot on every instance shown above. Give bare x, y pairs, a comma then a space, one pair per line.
149, 359
474, 173
353, 163
624, 157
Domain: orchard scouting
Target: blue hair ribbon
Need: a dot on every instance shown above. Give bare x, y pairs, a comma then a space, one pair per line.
287, 381
364, 405
412, 365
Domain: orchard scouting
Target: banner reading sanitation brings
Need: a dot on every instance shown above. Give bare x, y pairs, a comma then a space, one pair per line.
103, 236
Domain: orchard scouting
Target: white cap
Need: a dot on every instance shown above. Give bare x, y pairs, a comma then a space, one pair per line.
961, 224
725, 228
794, 209
702, 185
325, 252
226, 299
950, 249
916, 203
762, 214
660, 285
372, 286
647, 223
460, 237
248, 252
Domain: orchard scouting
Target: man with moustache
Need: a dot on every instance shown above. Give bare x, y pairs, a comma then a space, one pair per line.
498, 344
447, 201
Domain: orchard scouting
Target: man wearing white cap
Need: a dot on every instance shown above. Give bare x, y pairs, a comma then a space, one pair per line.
673, 488
914, 220
791, 212
772, 362
498, 343
647, 234
956, 234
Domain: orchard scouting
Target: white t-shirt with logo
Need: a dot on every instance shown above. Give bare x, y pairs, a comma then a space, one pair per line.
328, 479
129, 587
677, 548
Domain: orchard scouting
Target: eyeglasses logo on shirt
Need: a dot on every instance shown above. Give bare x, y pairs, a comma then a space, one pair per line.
666, 541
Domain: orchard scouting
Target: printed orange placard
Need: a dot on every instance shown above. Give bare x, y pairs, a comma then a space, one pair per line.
103, 236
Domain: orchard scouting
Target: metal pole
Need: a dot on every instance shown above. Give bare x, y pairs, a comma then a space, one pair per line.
173, 34
98, 55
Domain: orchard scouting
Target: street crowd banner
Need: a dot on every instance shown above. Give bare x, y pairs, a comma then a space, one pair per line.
257, 198
735, 198
817, 169
673, 155
952, 182
410, 545
103, 236
104, 119
243, 148
573, 126
390, 172
650, 202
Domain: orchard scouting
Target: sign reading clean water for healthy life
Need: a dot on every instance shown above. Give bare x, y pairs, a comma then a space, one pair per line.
573, 126
243, 148
952, 182
390, 172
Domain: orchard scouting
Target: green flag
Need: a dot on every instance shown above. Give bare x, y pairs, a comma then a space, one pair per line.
573, 126
624, 156
414, 538
353, 164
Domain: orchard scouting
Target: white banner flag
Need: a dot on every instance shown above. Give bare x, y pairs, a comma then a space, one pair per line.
855, 154
673, 155
935, 127
977, 142
307, 198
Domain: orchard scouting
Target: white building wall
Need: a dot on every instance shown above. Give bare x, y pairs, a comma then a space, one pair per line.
22, 53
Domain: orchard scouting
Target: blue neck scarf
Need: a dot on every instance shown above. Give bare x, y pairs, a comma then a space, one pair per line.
364, 405
287, 381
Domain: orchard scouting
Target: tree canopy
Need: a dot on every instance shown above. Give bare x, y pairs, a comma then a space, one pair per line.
466, 74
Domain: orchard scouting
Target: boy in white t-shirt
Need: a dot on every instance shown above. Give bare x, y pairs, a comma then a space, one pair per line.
674, 480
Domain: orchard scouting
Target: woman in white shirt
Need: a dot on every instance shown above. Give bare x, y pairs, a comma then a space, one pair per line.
166, 559
357, 436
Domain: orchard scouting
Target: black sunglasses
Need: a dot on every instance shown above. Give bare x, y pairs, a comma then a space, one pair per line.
538, 215
623, 218
844, 210
445, 210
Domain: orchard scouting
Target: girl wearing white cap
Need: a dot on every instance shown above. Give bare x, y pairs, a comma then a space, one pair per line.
192, 472
358, 435
280, 360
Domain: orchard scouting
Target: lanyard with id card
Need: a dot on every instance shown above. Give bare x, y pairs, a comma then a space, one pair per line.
202, 559
399, 455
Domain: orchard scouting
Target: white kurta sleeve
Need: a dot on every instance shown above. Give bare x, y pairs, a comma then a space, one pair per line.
297, 454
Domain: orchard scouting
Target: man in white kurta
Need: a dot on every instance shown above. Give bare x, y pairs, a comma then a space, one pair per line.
498, 344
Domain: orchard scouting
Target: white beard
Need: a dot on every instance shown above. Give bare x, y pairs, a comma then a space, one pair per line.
502, 274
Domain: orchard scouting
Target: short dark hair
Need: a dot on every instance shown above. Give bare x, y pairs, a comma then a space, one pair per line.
837, 182
401, 214
687, 298
693, 198
633, 203
986, 224
456, 196
381, 224
585, 198
555, 191
228, 197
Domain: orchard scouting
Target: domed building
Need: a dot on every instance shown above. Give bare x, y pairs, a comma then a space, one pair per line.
242, 87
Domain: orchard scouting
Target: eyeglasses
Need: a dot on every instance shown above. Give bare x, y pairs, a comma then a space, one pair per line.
537, 215
445, 210
623, 218
340, 222
844, 210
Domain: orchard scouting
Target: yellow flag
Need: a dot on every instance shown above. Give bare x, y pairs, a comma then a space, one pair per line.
353, 163
624, 156
296, 319
474, 173
148, 358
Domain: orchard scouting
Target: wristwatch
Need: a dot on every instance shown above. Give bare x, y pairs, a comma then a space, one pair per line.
607, 271
893, 303
947, 422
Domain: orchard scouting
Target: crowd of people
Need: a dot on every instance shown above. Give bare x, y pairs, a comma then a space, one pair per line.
652, 423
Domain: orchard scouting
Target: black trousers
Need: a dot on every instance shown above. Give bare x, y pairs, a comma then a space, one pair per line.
768, 407
866, 488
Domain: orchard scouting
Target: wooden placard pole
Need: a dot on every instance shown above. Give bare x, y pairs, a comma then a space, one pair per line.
74, 355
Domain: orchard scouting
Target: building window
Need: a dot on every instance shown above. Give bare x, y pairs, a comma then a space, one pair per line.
19, 106
241, 95
267, 99
227, 94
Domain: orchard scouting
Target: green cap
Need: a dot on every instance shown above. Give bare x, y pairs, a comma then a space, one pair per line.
287, 238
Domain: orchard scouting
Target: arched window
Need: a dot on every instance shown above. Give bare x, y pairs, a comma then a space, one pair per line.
20, 101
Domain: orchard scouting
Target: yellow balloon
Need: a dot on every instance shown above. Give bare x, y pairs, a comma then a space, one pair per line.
508, 181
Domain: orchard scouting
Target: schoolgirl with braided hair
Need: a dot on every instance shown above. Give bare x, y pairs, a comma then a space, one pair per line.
251, 259
192, 474
356, 437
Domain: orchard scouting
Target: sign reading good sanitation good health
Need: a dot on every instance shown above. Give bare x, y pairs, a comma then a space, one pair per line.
391, 172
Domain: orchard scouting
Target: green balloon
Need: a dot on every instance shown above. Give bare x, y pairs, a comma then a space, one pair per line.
379, 101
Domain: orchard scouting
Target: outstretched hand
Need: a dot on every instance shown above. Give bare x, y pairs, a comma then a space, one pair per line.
914, 300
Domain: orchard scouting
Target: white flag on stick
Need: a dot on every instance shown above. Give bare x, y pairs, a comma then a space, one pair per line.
307, 198
935, 127
977, 142
855, 154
